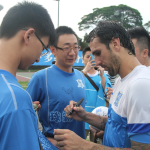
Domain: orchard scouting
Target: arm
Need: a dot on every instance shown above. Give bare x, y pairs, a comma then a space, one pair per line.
134, 146
103, 79
69, 140
88, 67
109, 92
81, 115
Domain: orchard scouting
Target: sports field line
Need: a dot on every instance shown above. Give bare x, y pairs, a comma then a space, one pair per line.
23, 76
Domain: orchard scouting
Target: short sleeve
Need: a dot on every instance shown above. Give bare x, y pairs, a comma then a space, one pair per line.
36, 87
138, 110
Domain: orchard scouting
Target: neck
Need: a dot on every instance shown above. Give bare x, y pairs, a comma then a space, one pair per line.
92, 71
146, 62
64, 68
9, 59
128, 63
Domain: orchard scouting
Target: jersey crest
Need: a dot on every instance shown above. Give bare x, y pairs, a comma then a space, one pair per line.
117, 101
80, 84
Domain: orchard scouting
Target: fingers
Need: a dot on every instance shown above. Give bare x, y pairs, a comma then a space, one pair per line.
109, 92
69, 108
60, 131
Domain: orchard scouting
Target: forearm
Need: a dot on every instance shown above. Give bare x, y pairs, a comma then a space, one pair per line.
102, 147
85, 71
103, 81
95, 120
134, 146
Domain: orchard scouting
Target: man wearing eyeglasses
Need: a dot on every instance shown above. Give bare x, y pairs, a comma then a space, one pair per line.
23, 36
55, 86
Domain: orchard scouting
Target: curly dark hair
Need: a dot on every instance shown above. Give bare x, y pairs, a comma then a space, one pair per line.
107, 30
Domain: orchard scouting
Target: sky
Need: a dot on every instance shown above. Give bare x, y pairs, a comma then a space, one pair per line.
71, 11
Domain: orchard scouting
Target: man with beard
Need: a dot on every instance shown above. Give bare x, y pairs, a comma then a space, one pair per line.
127, 125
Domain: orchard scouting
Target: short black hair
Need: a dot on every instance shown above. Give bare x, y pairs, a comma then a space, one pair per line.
107, 30
27, 15
142, 36
85, 50
61, 30
54, 61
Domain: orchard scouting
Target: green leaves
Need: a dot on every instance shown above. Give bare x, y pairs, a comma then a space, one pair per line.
123, 14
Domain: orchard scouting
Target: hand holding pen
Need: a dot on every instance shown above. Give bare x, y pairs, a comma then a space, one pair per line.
77, 105
78, 110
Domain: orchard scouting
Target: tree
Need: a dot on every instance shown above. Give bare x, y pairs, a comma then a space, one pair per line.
123, 14
147, 25
83, 43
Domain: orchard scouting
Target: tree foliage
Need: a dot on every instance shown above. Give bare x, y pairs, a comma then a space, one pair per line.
83, 43
147, 25
123, 14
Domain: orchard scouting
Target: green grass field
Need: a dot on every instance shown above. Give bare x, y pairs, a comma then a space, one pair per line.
24, 84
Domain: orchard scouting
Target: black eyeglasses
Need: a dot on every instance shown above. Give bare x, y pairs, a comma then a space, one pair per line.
69, 48
47, 51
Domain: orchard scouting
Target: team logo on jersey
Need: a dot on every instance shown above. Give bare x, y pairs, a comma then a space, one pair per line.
117, 101
80, 84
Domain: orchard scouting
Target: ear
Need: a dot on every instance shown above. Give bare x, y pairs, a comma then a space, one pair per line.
28, 34
53, 50
145, 52
115, 44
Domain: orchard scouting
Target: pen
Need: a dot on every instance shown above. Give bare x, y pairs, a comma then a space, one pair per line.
77, 105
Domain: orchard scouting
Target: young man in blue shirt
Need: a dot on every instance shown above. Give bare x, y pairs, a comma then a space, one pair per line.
55, 86
25, 31
94, 98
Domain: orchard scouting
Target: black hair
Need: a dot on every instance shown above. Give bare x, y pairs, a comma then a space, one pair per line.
63, 30
85, 50
142, 36
27, 15
53, 62
107, 30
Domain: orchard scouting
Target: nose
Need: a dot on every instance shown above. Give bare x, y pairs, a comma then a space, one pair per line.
72, 52
97, 61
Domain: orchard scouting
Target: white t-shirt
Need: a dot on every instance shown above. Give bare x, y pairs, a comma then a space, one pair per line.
129, 110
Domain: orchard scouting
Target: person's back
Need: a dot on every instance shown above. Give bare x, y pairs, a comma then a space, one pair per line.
16, 107
20, 46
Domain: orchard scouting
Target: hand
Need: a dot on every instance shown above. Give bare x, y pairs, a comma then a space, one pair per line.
38, 103
93, 131
78, 113
53, 141
68, 140
109, 92
101, 69
89, 66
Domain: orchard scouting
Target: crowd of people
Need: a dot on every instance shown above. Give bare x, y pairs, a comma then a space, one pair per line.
118, 78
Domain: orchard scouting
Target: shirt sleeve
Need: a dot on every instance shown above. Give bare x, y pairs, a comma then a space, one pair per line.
138, 110
19, 131
36, 87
